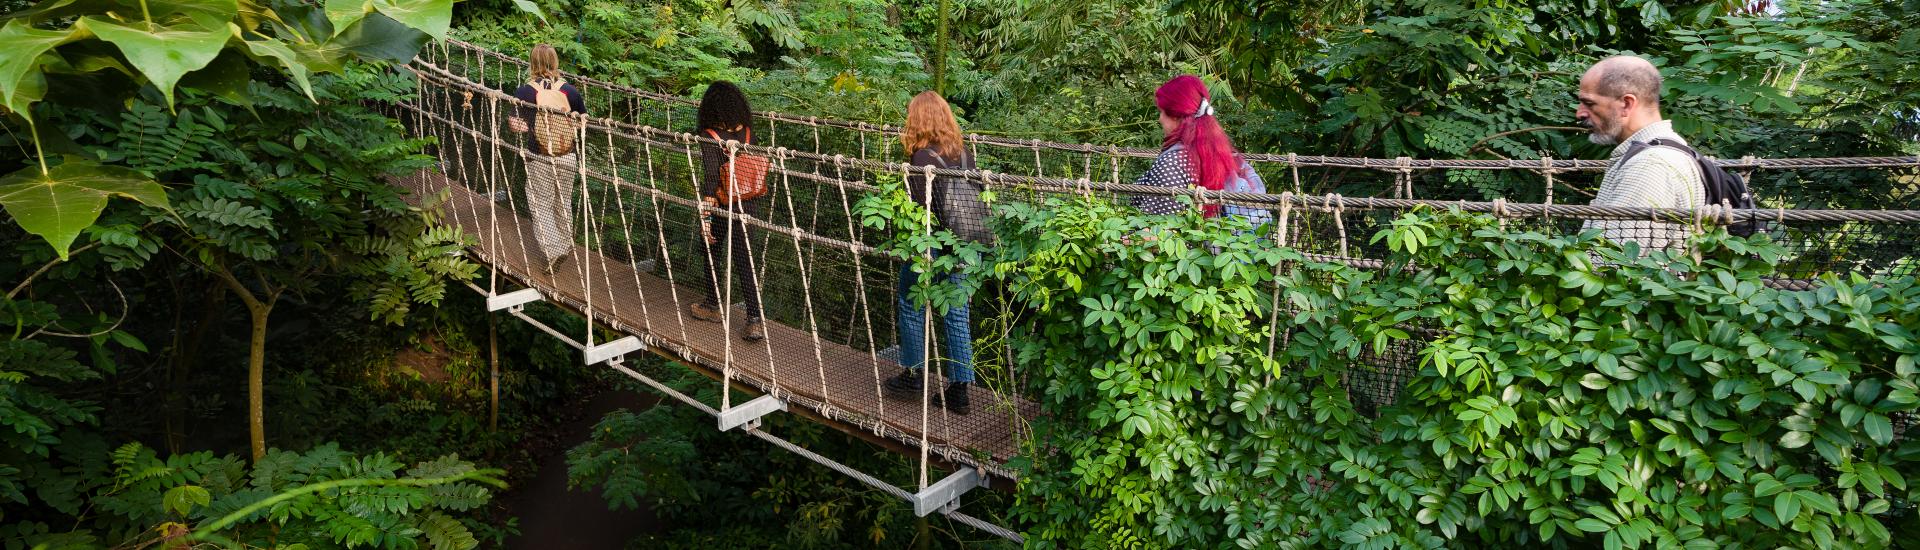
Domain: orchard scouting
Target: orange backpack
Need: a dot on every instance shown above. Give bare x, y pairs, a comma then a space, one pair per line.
742, 179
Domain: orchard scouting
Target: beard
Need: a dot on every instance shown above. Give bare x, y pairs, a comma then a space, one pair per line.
1599, 133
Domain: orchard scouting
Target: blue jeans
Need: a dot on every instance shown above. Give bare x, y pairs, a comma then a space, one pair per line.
913, 324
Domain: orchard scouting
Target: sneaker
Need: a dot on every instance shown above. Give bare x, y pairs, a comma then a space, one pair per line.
755, 331
955, 398
905, 385
704, 312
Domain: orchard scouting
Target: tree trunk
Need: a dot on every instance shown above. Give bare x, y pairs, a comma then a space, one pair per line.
493, 360
256, 382
940, 52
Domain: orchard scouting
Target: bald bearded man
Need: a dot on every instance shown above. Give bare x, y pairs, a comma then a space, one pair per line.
1620, 106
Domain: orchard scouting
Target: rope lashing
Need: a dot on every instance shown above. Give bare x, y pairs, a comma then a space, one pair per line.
1546, 171
1293, 165
1500, 211
1403, 180
1339, 219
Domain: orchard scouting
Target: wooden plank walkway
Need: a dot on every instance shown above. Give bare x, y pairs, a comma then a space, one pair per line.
840, 384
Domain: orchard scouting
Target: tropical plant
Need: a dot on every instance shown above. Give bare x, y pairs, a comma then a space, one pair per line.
1556, 390
323, 497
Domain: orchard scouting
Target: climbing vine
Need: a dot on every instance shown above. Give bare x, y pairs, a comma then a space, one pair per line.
1556, 390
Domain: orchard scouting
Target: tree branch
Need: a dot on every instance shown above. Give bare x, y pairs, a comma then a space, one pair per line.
1483, 141
43, 269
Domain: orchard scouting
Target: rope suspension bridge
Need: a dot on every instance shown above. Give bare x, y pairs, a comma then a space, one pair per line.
827, 292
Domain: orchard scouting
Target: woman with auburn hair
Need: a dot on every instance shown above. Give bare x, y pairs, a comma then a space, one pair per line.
932, 138
1194, 152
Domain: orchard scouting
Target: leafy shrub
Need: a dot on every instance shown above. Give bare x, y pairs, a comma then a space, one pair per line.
1567, 392
321, 498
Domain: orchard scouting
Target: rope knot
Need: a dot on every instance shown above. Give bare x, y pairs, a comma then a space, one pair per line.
1293, 159
1403, 164
1500, 207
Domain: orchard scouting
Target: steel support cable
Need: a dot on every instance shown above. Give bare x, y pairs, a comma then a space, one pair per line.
1307, 160
1497, 207
1356, 203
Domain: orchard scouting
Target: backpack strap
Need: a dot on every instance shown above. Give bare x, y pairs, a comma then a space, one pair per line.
1638, 146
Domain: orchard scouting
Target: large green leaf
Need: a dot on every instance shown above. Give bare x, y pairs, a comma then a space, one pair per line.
24, 46
429, 16
210, 14
277, 51
380, 37
227, 77
67, 199
25, 93
344, 13
530, 7
303, 23
164, 55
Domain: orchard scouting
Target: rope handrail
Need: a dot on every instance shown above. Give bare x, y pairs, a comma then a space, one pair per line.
1512, 209
1383, 164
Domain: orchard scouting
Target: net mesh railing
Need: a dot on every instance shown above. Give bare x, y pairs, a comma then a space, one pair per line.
626, 212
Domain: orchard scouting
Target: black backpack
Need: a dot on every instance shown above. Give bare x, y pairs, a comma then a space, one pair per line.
956, 201
1723, 187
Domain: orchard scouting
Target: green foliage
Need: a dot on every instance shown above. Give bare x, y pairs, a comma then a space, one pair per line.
323, 498
722, 489
1565, 391
116, 48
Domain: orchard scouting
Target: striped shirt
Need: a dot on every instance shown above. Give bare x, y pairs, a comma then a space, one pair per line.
1658, 177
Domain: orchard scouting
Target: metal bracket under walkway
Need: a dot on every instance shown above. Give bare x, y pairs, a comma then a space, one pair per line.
942, 496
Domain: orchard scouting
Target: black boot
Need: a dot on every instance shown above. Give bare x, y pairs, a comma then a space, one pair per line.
955, 398
906, 385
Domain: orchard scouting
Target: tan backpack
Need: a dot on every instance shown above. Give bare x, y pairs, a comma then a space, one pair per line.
553, 129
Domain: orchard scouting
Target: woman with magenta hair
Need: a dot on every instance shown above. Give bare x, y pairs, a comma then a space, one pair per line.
1195, 151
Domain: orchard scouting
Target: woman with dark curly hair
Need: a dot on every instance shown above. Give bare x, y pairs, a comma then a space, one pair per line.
726, 116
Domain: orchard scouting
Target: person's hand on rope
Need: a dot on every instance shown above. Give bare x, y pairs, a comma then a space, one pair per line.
517, 124
706, 220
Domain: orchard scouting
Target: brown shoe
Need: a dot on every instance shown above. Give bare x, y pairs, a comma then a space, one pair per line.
704, 312
754, 332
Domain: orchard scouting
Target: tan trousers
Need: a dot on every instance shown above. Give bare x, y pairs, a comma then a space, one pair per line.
550, 182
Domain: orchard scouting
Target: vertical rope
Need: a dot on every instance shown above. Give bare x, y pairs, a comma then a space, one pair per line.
493, 196
927, 372
725, 282
1339, 220
1404, 166
1039, 168
754, 267
806, 280
584, 265
660, 230
1546, 170
860, 283
626, 235
606, 275
1279, 239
